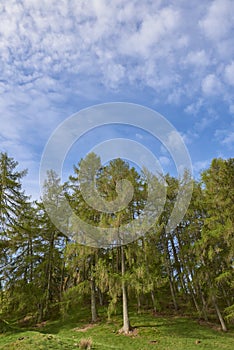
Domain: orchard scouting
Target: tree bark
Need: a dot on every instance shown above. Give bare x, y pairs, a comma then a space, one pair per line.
93, 300
221, 320
126, 323
204, 306
100, 295
153, 301
173, 293
48, 276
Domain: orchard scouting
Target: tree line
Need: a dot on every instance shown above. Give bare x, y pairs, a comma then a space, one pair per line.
46, 274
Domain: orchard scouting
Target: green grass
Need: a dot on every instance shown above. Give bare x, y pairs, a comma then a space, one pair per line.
164, 333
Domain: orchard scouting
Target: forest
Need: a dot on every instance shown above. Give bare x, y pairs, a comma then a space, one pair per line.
47, 275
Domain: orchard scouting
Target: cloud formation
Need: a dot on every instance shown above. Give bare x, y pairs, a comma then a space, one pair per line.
158, 43
54, 55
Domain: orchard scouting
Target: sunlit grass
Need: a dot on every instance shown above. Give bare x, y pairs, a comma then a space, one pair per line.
150, 332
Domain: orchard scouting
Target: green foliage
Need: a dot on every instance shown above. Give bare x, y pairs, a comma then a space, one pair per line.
229, 311
73, 297
189, 269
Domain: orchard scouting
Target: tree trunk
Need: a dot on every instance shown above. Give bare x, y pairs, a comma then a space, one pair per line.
221, 320
93, 300
49, 275
126, 324
204, 306
173, 293
192, 292
170, 274
100, 295
177, 265
195, 301
172, 289
213, 297
153, 301
40, 313
138, 303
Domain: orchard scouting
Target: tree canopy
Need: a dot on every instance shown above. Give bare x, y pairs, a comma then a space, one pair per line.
46, 273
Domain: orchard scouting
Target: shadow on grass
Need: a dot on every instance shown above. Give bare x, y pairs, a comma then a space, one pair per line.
178, 327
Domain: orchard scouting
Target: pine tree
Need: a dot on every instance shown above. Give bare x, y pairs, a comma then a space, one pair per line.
217, 234
13, 206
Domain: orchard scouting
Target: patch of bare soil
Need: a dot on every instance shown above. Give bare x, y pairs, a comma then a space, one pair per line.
214, 326
27, 321
132, 333
41, 324
84, 328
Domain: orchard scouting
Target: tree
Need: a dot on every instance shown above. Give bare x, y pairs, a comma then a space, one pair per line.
12, 197
53, 242
98, 196
13, 205
85, 257
111, 177
217, 240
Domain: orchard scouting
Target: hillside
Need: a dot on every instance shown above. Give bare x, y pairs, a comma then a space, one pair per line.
150, 332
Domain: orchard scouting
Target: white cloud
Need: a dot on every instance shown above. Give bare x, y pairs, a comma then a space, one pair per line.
226, 136
203, 123
165, 161
163, 150
229, 73
229, 139
195, 107
113, 74
139, 136
198, 58
67, 52
200, 166
218, 22
188, 137
211, 85
174, 141
176, 96
124, 42
155, 28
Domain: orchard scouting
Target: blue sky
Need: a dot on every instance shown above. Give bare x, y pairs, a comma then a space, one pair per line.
58, 57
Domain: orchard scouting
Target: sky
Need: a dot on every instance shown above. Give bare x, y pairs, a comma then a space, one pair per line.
59, 57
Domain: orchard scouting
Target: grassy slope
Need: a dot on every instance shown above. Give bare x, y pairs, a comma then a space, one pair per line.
164, 333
